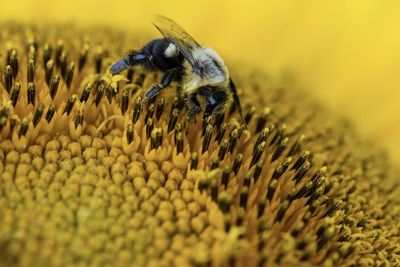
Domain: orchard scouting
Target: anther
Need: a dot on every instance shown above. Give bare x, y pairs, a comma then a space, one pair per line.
237, 163
261, 207
313, 186
129, 133
3, 122
79, 118
137, 109
206, 138
83, 57
149, 127
315, 195
173, 119
86, 93
24, 127
160, 107
129, 75
319, 173
178, 129
261, 138
98, 60
219, 119
124, 101
223, 148
332, 207
257, 170
48, 73
38, 114
279, 133
214, 190
224, 201
303, 190
194, 160
225, 176
221, 133
244, 193
215, 163
249, 115
159, 137
301, 160
204, 183
31, 71
14, 94
279, 149
298, 228
69, 74
63, 64
59, 50
99, 94
282, 210
262, 119
302, 171
179, 142
111, 92
271, 189
206, 121
13, 122
313, 205
50, 113
8, 78
13, 62
233, 138
174, 105
47, 51
297, 145
257, 153
150, 112
70, 104
156, 138
247, 180
31, 93
32, 51
281, 168
54, 83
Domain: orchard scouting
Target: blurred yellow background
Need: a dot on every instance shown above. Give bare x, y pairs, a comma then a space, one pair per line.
346, 52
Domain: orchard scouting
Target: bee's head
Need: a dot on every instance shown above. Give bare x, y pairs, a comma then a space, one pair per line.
209, 69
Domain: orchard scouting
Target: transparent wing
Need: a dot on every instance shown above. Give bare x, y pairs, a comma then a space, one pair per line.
170, 29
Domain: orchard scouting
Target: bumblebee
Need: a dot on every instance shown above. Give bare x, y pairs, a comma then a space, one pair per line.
199, 71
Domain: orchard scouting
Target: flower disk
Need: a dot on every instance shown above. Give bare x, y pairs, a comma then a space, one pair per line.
91, 176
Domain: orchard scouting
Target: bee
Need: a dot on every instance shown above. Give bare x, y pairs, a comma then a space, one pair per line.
198, 70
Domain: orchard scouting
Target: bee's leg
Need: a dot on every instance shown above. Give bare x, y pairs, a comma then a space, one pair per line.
132, 59
179, 92
236, 100
215, 102
194, 107
166, 80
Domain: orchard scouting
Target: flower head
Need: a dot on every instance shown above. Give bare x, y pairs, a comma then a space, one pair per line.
92, 176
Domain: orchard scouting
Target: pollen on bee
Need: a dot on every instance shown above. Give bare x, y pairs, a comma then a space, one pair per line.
170, 51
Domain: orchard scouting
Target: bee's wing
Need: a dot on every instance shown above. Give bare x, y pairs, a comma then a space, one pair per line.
170, 29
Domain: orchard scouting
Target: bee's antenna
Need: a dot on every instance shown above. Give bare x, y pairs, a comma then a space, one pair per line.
237, 100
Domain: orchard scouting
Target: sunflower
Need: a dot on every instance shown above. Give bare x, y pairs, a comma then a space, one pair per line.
91, 176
